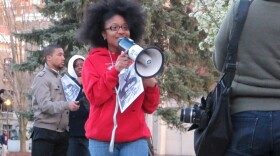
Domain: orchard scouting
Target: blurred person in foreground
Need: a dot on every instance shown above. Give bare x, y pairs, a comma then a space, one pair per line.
256, 87
78, 143
51, 110
106, 22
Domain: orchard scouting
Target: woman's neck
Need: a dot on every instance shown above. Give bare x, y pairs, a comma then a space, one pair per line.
114, 50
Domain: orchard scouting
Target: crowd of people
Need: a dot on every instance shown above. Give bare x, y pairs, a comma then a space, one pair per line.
92, 123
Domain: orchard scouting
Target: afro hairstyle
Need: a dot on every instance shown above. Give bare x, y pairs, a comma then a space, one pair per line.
90, 31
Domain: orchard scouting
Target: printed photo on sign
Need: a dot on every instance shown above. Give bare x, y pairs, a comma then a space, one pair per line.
130, 87
70, 88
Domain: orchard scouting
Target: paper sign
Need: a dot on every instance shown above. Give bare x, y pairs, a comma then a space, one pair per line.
130, 87
70, 88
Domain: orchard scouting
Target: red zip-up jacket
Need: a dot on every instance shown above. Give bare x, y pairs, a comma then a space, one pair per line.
99, 79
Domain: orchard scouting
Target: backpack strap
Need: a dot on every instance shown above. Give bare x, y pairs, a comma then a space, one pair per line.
230, 62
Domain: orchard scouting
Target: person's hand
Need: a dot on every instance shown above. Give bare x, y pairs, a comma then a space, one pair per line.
123, 61
149, 82
74, 105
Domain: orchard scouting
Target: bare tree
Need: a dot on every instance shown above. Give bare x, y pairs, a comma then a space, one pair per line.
17, 16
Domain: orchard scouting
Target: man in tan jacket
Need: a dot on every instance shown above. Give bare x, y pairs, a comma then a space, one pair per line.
51, 110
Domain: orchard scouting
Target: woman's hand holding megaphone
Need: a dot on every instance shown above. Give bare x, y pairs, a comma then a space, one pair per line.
123, 61
149, 82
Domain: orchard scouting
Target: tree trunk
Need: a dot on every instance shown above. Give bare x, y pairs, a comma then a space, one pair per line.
23, 122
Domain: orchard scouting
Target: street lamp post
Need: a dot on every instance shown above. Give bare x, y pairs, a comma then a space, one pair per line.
8, 102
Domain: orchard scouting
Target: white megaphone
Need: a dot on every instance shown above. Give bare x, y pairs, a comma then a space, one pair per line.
148, 61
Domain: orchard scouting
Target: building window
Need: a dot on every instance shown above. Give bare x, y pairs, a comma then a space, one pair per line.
7, 61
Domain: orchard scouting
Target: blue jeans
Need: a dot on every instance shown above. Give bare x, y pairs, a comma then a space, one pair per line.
78, 146
255, 133
135, 148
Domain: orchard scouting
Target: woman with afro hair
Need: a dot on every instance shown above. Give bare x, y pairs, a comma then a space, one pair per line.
110, 132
